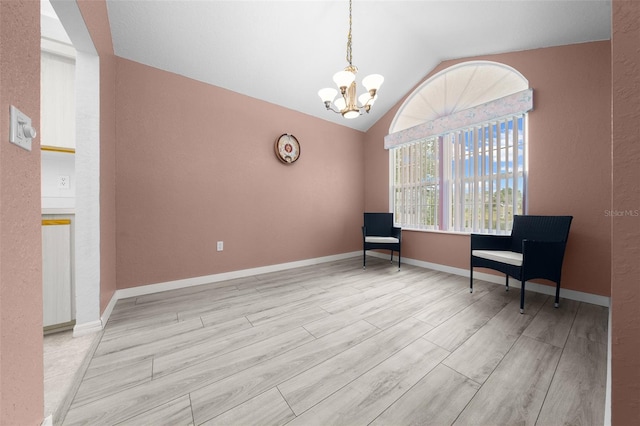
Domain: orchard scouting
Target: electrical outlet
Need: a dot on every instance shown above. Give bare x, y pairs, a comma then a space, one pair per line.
63, 182
220, 245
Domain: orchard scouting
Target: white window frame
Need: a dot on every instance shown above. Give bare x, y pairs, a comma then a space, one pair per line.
469, 213
418, 179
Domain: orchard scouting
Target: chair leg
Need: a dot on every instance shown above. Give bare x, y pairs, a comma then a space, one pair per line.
391, 256
364, 259
506, 282
522, 298
557, 303
399, 260
471, 281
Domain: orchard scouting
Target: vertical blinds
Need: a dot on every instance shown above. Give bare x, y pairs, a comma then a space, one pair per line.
467, 180
487, 176
416, 184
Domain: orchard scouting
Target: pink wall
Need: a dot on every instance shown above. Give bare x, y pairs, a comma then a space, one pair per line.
97, 22
227, 185
195, 164
21, 371
625, 229
569, 171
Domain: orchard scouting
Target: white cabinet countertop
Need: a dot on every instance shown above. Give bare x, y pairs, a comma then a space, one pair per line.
51, 210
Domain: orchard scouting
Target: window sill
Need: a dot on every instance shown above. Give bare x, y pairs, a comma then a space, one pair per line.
436, 231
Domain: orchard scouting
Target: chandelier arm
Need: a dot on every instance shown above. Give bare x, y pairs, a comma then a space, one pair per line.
327, 105
372, 94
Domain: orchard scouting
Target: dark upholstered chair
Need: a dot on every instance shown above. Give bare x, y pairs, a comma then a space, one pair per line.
378, 232
535, 249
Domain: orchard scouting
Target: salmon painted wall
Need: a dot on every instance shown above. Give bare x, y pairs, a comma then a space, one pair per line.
195, 164
625, 224
569, 167
21, 370
96, 19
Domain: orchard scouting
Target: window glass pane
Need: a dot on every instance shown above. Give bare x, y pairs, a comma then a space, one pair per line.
470, 180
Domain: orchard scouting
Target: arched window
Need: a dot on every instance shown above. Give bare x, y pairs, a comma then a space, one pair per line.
458, 150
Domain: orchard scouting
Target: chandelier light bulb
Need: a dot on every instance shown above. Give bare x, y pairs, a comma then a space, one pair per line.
344, 79
327, 94
372, 82
366, 99
350, 114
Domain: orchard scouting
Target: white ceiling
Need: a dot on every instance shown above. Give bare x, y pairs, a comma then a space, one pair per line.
283, 52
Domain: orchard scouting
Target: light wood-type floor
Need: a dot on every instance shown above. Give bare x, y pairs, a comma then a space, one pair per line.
334, 344
63, 356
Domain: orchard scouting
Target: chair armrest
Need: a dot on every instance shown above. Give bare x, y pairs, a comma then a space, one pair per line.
490, 242
397, 233
539, 256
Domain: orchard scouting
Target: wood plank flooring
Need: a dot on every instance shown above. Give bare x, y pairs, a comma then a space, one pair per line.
334, 344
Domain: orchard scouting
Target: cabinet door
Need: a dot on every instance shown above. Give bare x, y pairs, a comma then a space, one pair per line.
57, 101
56, 271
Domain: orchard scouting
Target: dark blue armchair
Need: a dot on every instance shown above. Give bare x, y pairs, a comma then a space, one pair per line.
378, 232
535, 249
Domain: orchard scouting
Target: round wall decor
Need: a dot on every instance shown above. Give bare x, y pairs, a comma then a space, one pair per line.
287, 148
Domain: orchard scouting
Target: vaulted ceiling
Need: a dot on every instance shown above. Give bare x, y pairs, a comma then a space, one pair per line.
283, 52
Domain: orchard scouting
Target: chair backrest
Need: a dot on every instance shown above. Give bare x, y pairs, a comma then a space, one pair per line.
539, 228
379, 224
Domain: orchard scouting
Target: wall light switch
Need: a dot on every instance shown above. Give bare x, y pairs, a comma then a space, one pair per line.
20, 131
220, 245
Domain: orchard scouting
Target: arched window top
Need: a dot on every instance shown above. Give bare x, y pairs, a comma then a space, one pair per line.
458, 88
459, 97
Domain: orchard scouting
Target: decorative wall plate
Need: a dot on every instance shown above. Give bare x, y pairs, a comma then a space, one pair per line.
287, 148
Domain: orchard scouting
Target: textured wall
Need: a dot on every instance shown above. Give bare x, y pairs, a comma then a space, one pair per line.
195, 164
569, 172
21, 371
625, 224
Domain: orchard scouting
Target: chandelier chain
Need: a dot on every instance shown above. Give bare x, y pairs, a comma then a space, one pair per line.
349, 54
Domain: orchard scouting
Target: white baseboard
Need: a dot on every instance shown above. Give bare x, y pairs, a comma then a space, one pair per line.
535, 287
607, 398
109, 308
48, 421
210, 279
87, 328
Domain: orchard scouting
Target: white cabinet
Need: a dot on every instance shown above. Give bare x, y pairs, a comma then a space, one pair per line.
56, 271
57, 101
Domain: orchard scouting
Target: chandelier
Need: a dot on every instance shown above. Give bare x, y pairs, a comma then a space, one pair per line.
348, 105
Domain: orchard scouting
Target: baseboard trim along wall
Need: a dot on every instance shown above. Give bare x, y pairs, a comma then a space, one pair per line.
607, 403
87, 328
498, 279
210, 279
